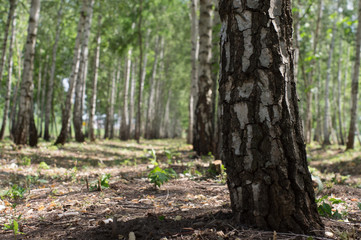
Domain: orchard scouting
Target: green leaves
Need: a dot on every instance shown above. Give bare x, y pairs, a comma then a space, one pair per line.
159, 176
326, 209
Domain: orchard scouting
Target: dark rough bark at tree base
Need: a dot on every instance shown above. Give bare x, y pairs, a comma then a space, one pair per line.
262, 144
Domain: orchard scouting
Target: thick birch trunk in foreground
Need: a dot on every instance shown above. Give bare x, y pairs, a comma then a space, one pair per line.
65, 121
11, 14
80, 82
8, 82
194, 73
354, 85
262, 144
49, 93
25, 125
203, 135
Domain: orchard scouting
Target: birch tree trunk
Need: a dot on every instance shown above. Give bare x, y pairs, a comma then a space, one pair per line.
15, 95
354, 85
309, 97
339, 82
13, 4
25, 125
124, 131
140, 92
131, 102
8, 82
49, 93
152, 84
80, 83
194, 73
95, 83
159, 96
327, 117
66, 113
42, 100
262, 144
111, 107
203, 135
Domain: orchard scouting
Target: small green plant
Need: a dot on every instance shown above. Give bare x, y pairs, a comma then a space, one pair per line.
25, 161
159, 176
325, 209
169, 156
13, 224
102, 182
153, 159
43, 165
359, 205
16, 192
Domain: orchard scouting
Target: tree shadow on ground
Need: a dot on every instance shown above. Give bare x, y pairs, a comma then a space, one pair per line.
177, 224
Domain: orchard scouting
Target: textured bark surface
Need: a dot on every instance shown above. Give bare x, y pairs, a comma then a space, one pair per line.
262, 144
49, 93
95, 82
194, 73
9, 79
203, 134
66, 113
80, 83
25, 120
354, 85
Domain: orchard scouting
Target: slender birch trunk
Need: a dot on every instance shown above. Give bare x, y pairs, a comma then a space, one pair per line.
339, 82
159, 96
38, 94
131, 102
111, 107
151, 97
9, 79
326, 123
203, 135
194, 73
49, 93
95, 82
15, 95
140, 92
125, 113
66, 113
309, 97
13, 4
354, 85
25, 130
80, 87
42, 101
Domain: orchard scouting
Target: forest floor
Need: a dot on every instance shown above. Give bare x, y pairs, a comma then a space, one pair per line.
66, 192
